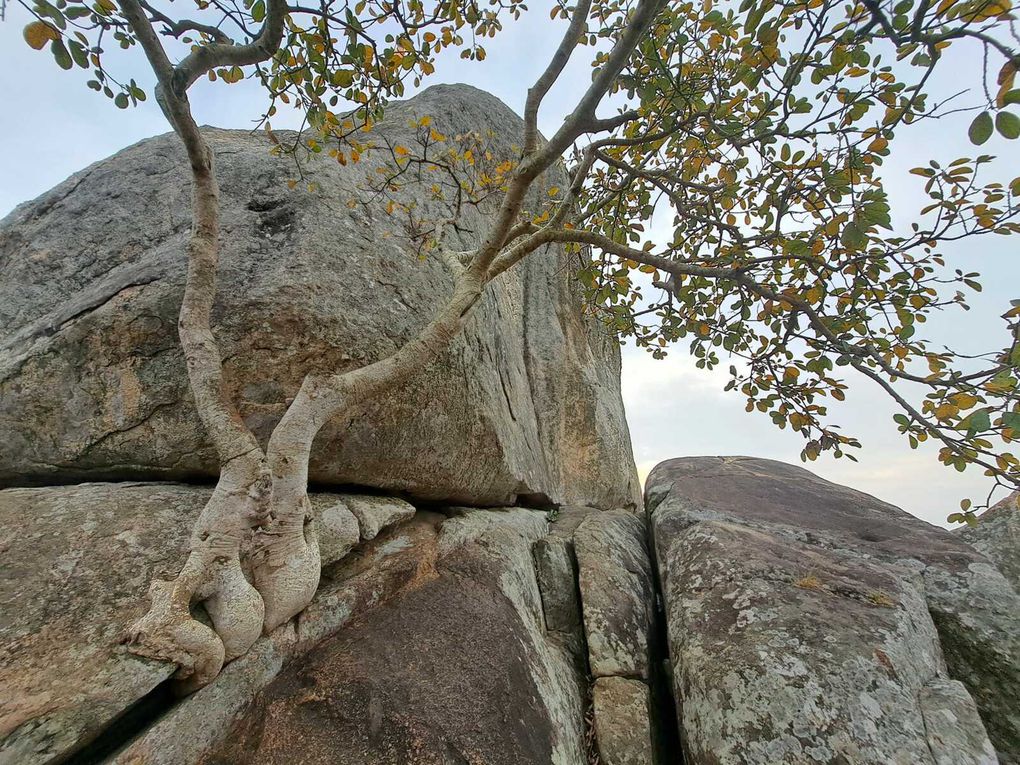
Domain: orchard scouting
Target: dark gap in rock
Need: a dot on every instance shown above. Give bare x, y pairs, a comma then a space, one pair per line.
535, 501
125, 727
667, 740
127, 474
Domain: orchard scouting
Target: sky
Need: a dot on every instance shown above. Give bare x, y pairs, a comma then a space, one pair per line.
52, 126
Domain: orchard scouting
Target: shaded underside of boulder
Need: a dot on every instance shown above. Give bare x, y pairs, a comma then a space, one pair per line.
806, 622
526, 404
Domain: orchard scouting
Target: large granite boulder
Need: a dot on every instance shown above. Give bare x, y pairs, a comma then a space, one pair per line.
526, 405
77, 562
812, 623
997, 535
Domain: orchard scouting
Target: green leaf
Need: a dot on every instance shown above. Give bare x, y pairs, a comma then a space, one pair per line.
853, 237
980, 129
60, 54
978, 422
79, 54
1011, 420
1008, 125
121, 101
1011, 97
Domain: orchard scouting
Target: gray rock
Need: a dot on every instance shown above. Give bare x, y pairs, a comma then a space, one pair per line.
556, 568
526, 403
617, 595
786, 593
622, 724
956, 735
337, 530
997, 536
452, 668
77, 562
374, 513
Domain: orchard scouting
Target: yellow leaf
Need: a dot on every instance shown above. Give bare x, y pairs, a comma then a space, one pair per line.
400, 151
38, 33
425, 121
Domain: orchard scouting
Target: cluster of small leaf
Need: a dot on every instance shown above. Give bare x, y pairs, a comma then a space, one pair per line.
762, 129
365, 53
433, 179
74, 32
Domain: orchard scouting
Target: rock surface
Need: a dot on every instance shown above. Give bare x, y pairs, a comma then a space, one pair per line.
617, 595
801, 629
452, 668
622, 722
197, 726
374, 513
526, 404
77, 562
997, 535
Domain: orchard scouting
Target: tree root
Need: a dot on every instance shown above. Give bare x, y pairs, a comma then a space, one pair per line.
169, 633
235, 608
287, 566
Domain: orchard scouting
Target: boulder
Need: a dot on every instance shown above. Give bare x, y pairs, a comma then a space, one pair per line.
452, 668
556, 569
810, 622
374, 513
525, 406
997, 536
617, 594
77, 565
622, 721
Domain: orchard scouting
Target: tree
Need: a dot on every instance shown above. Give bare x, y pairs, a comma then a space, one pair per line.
757, 130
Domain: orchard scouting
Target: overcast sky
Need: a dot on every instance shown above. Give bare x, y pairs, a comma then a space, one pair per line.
52, 126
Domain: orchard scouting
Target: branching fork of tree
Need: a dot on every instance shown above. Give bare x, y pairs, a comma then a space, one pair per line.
753, 132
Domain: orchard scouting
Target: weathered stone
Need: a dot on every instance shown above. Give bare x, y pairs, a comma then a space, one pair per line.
617, 595
997, 535
77, 562
766, 556
622, 723
526, 402
784, 653
956, 735
453, 668
556, 567
374, 513
337, 530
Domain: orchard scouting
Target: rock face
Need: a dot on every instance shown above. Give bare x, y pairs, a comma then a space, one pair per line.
453, 666
812, 623
525, 405
997, 536
77, 565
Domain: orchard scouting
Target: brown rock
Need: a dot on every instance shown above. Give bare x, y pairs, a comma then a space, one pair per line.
622, 723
